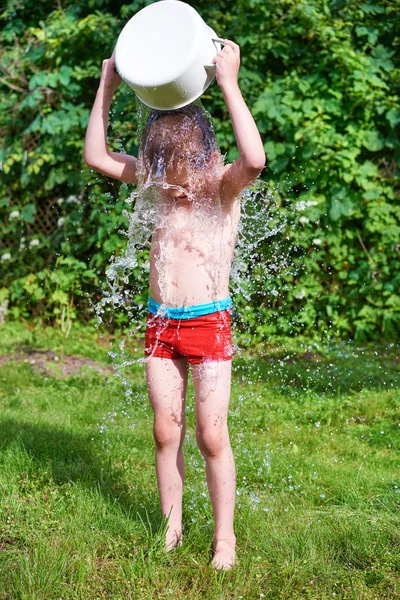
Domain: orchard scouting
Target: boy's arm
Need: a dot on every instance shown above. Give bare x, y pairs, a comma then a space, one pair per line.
96, 154
251, 162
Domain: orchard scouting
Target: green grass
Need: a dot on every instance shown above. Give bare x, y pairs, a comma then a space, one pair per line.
315, 432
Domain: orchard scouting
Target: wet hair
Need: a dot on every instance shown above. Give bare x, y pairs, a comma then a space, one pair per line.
182, 138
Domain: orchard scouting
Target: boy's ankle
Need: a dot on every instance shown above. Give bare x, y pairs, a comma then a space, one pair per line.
224, 550
173, 538
229, 539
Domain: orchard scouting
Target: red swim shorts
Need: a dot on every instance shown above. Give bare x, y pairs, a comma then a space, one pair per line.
206, 338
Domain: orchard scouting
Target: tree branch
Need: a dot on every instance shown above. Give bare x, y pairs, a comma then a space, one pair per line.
364, 248
12, 86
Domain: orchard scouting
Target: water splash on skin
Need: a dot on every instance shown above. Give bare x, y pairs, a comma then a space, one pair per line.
176, 213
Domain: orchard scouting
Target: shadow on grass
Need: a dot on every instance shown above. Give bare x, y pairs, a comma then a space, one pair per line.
57, 457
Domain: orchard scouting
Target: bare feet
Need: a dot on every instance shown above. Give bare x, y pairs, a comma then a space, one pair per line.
173, 539
224, 554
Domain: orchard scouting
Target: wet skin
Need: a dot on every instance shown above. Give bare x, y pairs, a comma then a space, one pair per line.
193, 245
191, 256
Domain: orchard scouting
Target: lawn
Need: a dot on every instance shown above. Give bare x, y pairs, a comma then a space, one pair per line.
315, 433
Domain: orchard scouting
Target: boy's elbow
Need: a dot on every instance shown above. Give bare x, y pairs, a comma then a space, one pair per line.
260, 164
257, 164
86, 157
91, 160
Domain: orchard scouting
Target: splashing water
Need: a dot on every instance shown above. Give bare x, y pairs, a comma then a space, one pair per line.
178, 214
185, 242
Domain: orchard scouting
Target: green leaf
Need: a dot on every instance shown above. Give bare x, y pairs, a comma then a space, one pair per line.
28, 213
335, 210
38, 80
370, 32
278, 164
372, 9
65, 75
347, 206
373, 141
393, 116
60, 297
368, 169
373, 194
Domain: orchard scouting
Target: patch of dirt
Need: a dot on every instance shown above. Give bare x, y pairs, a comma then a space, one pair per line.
48, 363
7, 544
294, 358
311, 356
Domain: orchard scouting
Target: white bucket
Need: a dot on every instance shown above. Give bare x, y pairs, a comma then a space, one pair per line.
165, 54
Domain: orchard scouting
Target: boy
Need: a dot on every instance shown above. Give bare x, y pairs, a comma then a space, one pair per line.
191, 254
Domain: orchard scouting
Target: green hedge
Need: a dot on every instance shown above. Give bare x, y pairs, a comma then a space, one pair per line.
321, 78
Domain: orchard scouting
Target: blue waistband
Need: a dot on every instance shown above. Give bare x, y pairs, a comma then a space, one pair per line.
189, 312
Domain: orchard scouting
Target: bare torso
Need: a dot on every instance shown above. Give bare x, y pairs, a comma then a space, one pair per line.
192, 251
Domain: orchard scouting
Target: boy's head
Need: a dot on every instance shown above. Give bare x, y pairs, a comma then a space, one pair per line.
177, 143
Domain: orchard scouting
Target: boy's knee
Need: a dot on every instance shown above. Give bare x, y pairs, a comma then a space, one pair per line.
167, 435
211, 442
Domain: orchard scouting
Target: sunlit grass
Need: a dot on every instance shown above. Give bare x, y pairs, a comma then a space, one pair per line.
315, 433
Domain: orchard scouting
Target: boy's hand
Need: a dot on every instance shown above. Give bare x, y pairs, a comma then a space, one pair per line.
109, 75
227, 61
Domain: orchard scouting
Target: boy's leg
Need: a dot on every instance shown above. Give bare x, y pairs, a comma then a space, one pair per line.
166, 384
212, 384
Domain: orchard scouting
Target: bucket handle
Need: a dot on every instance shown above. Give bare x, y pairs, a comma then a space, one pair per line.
220, 41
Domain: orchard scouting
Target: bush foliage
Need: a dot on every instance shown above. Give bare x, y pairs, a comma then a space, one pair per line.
321, 78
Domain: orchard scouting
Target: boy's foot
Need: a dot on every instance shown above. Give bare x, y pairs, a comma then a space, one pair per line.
173, 540
224, 555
